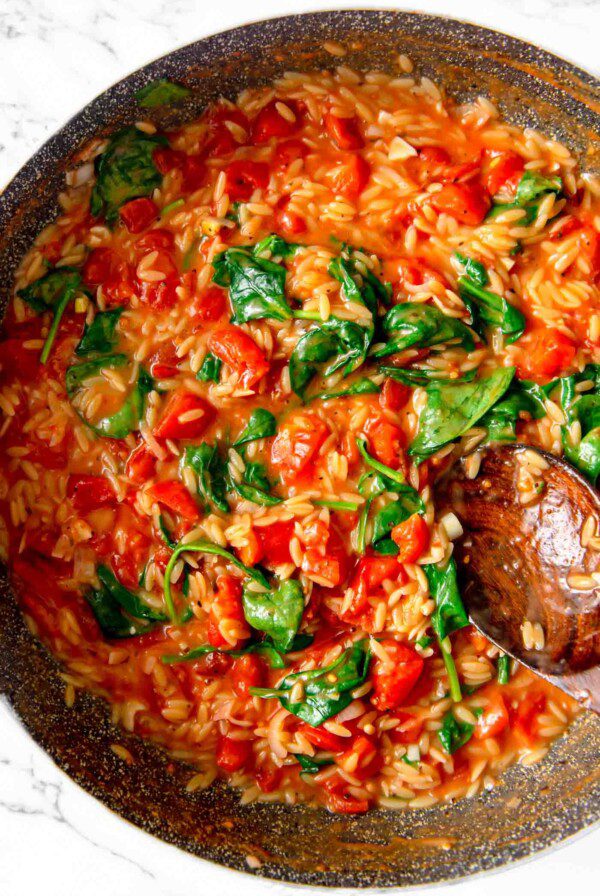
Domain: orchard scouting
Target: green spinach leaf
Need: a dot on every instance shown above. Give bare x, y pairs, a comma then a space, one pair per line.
474, 269
127, 418
207, 463
342, 343
210, 370
521, 396
278, 613
124, 171
52, 292
454, 734
449, 615
161, 93
489, 309
452, 409
261, 425
423, 326
256, 285
362, 386
99, 337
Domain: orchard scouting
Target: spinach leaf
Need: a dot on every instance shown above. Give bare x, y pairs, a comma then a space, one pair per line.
503, 669
206, 462
99, 336
124, 171
127, 418
489, 309
474, 269
327, 690
210, 370
452, 409
362, 386
258, 493
256, 474
342, 343
275, 246
264, 648
256, 285
584, 408
161, 93
449, 615
361, 529
278, 613
166, 535
454, 734
414, 324
52, 292
204, 547
422, 376
358, 286
521, 396
352, 506
261, 425
407, 504
311, 765
128, 601
110, 617
532, 186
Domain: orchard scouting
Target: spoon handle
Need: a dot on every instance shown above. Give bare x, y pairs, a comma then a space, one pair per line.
583, 686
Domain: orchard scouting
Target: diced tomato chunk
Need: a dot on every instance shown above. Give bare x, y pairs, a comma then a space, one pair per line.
97, 267
185, 416
393, 681
268, 776
350, 177
322, 738
247, 672
243, 177
236, 348
545, 353
386, 441
156, 239
164, 362
526, 715
344, 132
369, 755
275, 542
394, 395
174, 495
138, 214
287, 152
504, 171
140, 465
434, 155
296, 444
220, 140
327, 569
339, 801
468, 203
166, 159
493, 720
193, 171
232, 755
90, 492
288, 220
227, 604
211, 305
271, 123
370, 572
412, 538
408, 731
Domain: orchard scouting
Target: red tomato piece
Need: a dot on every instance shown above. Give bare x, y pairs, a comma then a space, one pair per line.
350, 177
220, 140
370, 759
526, 716
394, 395
90, 492
370, 572
271, 123
17, 362
98, 267
344, 132
314, 563
493, 720
434, 155
247, 672
164, 362
546, 353
268, 777
232, 755
412, 538
323, 739
287, 152
340, 802
121, 286
386, 441
468, 203
393, 681
408, 731
287, 220
275, 542
140, 465
211, 305
174, 495
243, 177
250, 553
193, 171
138, 214
156, 239
166, 159
233, 346
296, 444
186, 416
227, 604
504, 172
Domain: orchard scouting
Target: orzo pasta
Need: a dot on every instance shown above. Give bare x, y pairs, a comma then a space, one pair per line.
233, 369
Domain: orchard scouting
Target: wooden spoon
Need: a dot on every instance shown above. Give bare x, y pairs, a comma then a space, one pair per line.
520, 559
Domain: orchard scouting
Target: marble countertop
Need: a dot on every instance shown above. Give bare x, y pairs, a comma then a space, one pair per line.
54, 57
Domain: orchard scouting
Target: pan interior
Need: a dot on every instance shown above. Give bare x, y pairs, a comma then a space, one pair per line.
533, 807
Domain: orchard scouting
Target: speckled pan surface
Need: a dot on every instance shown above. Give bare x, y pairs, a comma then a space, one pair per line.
533, 808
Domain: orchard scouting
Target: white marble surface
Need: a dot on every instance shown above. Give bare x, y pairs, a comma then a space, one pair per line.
55, 55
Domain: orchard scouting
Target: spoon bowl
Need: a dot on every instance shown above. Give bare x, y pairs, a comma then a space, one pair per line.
529, 561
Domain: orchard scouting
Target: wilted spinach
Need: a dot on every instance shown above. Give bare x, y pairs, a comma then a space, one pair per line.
256, 284
206, 461
99, 337
521, 396
454, 734
254, 485
342, 343
362, 386
124, 171
161, 93
127, 418
449, 615
327, 690
422, 376
474, 269
52, 292
278, 613
210, 370
584, 409
423, 326
532, 186
488, 309
261, 425
119, 611
452, 409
